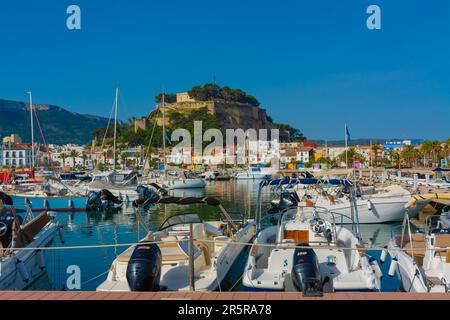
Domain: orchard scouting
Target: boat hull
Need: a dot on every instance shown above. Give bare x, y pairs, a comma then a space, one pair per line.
379, 210
10, 276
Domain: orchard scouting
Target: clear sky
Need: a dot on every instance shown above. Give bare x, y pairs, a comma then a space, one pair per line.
313, 64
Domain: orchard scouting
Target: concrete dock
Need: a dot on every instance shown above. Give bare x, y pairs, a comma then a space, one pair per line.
228, 296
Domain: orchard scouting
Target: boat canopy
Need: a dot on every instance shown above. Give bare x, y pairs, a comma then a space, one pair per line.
180, 218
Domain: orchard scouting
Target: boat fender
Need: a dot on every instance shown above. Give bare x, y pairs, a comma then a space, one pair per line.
70, 204
393, 267
369, 205
383, 255
41, 259
24, 274
46, 204
144, 268
376, 268
61, 234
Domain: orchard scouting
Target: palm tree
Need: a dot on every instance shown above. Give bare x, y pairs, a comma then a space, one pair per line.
426, 148
73, 154
375, 147
410, 155
63, 157
392, 154
84, 156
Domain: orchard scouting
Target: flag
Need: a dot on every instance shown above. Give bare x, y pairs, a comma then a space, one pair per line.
347, 133
168, 139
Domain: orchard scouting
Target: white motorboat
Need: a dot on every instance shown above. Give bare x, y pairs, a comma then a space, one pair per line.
421, 260
163, 259
307, 251
121, 184
20, 268
188, 183
375, 205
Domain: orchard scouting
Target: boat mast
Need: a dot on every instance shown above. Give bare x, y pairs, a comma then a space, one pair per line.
115, 128
32, 128
164, 133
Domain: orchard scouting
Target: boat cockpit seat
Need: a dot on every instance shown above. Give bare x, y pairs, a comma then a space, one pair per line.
416, 249
443, 241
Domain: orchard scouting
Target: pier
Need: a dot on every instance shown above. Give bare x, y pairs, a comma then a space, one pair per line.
228, 296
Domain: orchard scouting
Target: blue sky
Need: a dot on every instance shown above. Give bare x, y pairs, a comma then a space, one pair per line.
312, 64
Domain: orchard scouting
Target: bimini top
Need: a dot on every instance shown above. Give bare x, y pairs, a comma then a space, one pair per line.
285, 181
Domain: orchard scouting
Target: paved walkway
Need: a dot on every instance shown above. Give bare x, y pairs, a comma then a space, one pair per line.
89, 295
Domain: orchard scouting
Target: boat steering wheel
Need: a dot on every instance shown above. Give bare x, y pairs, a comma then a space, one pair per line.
3, 229
318, 225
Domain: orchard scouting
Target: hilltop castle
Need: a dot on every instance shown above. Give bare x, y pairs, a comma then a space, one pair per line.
231, 114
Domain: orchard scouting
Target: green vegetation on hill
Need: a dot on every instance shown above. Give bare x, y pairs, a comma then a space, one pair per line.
212, 91
126, 136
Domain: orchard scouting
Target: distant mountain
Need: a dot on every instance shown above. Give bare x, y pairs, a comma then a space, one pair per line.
58, 125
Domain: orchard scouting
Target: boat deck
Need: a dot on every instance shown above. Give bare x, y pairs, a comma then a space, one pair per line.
229, 296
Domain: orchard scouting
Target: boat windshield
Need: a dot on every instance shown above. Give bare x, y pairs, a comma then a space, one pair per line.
182, 218
307, 213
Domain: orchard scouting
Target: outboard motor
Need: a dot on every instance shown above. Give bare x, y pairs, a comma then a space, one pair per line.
144, 268
146, 193
94, 201
305, 272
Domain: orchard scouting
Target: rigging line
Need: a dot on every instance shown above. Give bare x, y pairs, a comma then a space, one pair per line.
45, 142
277, 245
94, 278
147, 154
109, 122
106, 131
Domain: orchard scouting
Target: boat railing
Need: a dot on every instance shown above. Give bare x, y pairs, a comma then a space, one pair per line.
405, 235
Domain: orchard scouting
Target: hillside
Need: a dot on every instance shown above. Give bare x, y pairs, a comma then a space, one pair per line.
59, 125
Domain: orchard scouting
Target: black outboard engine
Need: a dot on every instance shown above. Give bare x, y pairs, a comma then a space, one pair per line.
305, 272
146, 193
94, 201
144, 268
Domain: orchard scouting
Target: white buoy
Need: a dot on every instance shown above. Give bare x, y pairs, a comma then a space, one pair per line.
383, 255
41, 259
61, 234
46, 204
393, 267
369, 205
70, 204
23, 271
377, 269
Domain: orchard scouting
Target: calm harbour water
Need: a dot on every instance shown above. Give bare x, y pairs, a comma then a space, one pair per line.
84, 229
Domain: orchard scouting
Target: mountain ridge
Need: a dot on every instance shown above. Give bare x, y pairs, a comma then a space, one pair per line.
59, 125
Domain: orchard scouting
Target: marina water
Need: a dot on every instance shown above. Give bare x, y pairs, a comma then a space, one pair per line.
92, 229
